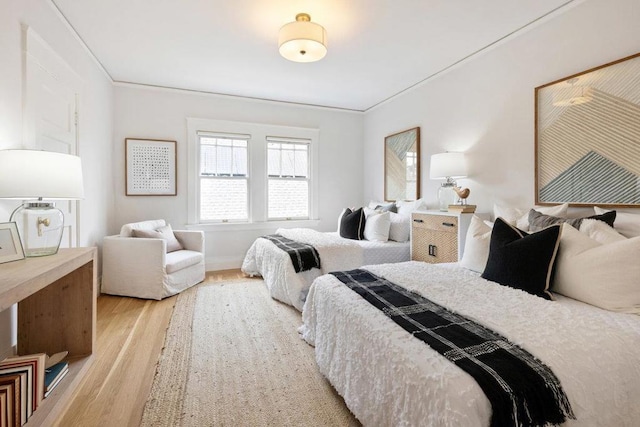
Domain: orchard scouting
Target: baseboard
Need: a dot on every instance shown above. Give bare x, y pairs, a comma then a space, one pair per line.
222, 263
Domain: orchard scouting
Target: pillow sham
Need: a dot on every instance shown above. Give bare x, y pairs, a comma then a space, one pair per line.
376, 226
520, 217
164, 232
400, 228
604, 275
352, 224
405, 207
476, 246
520, 260
627, 224
600, 231
538, 221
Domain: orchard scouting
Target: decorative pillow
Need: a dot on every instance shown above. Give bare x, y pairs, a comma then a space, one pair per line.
165, 233
520, 217
476, 247
376, 227
627, 224
400, 228
387, 207
538, 221
602, 275
352, 224
520, 260
340, 218
405, 207
600, 232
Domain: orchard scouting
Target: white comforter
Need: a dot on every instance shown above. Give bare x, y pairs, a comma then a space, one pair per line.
388, 378
275, 267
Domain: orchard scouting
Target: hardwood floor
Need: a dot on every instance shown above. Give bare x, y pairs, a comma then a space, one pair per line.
130, 336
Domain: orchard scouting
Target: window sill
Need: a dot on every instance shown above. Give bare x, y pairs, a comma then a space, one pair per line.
265, 225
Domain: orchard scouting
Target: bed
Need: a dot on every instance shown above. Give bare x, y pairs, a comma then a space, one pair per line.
389, 378
265, 259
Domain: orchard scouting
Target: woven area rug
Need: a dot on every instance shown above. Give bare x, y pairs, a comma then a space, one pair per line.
233, 357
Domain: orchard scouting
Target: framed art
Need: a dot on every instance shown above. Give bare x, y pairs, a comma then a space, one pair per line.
587, 137
150, 168
402, 165
10, 244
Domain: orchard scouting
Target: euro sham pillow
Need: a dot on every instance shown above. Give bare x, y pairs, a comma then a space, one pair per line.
352, 224
603, 275
377, 225
476, 246
521, 260
520, 217
164, 232
538, 221
627, 224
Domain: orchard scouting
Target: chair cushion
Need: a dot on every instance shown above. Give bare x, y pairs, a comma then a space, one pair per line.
182, 259
127, 229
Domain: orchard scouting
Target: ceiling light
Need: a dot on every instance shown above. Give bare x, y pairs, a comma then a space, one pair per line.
303, 40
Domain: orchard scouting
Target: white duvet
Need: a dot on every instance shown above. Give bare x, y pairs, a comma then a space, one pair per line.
389, 378
274, 265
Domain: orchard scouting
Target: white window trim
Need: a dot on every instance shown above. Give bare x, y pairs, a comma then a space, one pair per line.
257, 172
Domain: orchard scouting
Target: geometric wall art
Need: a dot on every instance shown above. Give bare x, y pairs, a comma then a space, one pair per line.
150, 167
402, 165
587, 137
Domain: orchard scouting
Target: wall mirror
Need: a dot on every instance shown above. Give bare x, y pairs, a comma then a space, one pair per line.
402, 165
588, 137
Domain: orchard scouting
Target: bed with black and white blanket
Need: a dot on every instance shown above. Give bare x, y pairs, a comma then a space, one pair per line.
388, 377
265, 259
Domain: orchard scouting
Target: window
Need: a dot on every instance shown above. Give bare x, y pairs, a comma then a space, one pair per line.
223, 178
239, 173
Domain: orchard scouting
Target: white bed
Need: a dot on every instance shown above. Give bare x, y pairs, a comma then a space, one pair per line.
265, 259
389, 378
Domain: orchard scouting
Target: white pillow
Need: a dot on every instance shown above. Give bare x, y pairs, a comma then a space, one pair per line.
602, 275
405, 207
476, 247
520, 217
400, 227
600, 231
627, 224
377, 226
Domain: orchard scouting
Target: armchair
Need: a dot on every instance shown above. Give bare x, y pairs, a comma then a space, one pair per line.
141, 267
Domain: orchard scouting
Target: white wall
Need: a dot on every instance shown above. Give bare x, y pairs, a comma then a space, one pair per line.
142, 112
96, 120
485, 106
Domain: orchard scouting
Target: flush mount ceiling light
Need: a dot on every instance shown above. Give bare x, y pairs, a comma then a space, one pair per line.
303, 40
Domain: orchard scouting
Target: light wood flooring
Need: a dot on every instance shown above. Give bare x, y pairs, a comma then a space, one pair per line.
130, 336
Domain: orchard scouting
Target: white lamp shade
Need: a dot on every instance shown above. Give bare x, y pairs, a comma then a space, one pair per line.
32, 174
448, 165
302, 41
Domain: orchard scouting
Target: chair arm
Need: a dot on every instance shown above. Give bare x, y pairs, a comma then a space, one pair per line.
135, 250
192, 240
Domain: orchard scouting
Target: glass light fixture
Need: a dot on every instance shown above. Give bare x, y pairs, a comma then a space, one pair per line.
302, 40
39, 175
448, 166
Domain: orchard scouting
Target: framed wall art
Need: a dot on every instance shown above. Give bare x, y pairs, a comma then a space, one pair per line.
10, 244
402, 165
587, 137
150, 167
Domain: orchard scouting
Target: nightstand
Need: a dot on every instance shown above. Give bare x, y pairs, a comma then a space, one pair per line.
438, 236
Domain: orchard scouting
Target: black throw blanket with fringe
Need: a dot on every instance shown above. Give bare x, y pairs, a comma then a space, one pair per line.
303, 256
522, 390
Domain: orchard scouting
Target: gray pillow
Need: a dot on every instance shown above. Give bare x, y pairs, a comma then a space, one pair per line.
165, 233
389, 207
539, 221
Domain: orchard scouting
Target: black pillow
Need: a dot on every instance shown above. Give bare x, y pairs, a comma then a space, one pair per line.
352, 224
521, 260
538, 221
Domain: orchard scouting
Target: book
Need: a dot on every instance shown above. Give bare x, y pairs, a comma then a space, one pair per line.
462, 208
53, 375
37, 361
26, 374
11, 383
4, 422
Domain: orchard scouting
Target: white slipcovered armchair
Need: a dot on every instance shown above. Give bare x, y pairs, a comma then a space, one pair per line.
141, 267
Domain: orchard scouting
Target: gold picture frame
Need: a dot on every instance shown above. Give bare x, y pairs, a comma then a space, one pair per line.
150, 167
587, 137
402, 165
10, 243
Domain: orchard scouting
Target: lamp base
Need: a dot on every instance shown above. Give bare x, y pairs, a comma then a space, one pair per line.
40, 226
446, 195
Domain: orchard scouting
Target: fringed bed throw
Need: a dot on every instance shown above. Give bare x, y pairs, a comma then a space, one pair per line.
522, 390
303, 256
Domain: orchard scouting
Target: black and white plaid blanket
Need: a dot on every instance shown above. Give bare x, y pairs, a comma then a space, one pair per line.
522, 390
303, 256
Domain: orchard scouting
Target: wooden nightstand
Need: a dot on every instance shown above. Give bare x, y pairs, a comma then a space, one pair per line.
438, 236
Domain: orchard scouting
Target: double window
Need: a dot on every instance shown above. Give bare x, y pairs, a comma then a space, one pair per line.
244, 173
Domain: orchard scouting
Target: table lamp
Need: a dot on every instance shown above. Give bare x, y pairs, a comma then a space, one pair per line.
448, 166
39, 175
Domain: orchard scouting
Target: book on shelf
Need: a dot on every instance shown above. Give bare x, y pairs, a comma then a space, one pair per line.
4, 422
53, 375
12, 412
462, 208
37, 363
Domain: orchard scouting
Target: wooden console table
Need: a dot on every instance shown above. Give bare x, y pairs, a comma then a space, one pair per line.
56, 297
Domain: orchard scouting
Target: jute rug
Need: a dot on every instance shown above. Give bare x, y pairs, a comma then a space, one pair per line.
233, 357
